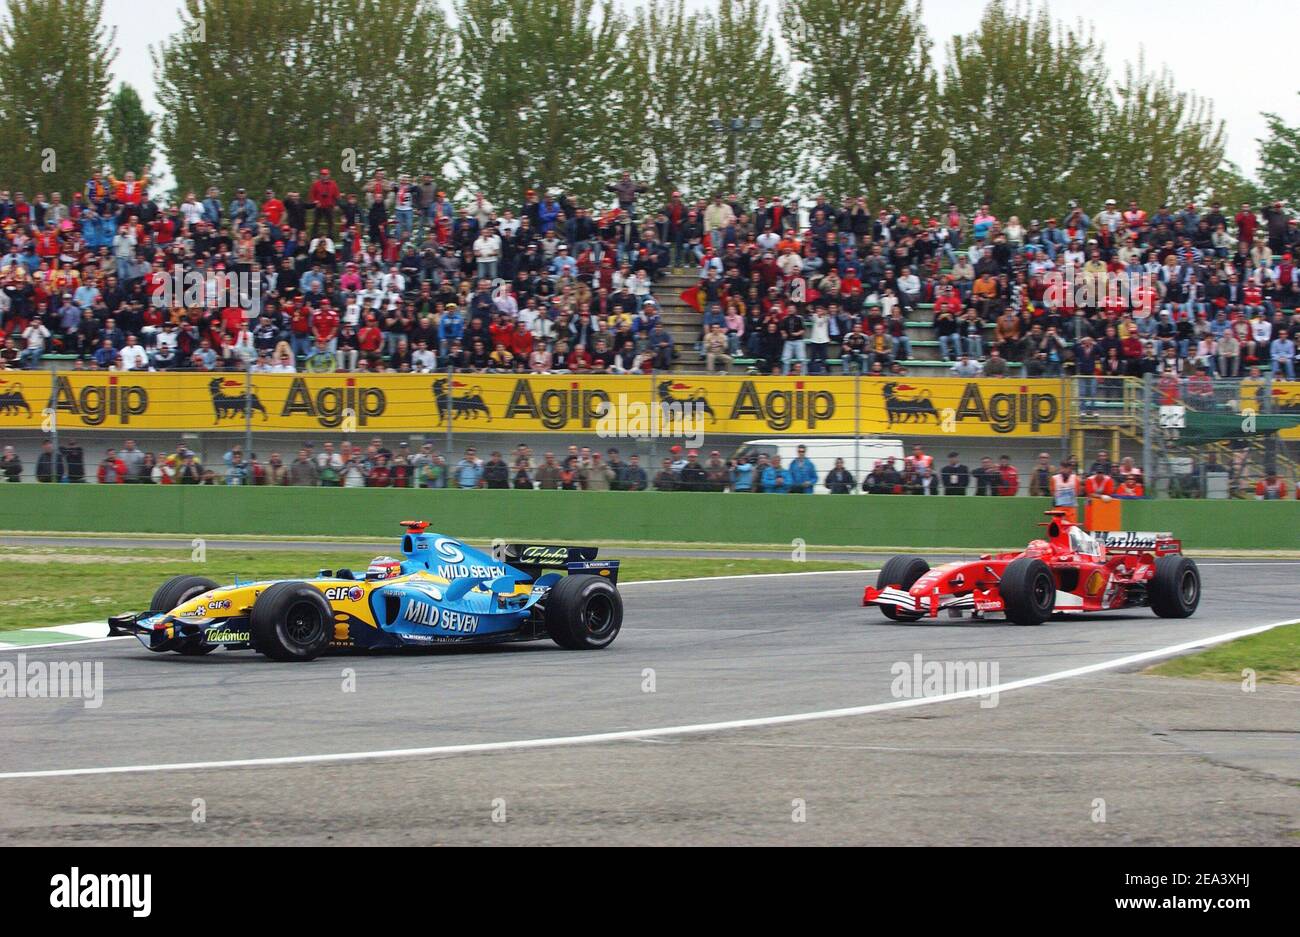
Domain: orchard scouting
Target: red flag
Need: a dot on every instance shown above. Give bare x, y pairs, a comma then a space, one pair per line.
693, 298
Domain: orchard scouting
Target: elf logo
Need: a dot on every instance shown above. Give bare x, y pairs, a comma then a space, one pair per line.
331, 405
97, 404
1007, 412
556, 407
781, 409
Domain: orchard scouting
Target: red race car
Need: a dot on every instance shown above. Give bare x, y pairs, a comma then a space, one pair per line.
1070, 571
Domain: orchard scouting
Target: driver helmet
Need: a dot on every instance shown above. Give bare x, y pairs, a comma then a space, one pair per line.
384, 567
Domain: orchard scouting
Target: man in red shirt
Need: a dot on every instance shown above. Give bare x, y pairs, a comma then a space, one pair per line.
1246, 223
1010, 477
324, 197
1099, 484
273, 208
369, 337
325, 325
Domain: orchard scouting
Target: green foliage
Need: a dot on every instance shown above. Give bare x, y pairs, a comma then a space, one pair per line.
1279, 156
55, 57
547, 97
1022, 106
263, 92
128, 132
868, 96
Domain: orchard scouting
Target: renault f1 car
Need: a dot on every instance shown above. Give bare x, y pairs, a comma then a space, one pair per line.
1070, 571
442, 591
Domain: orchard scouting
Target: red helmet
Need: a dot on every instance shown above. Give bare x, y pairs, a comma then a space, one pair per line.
384, 567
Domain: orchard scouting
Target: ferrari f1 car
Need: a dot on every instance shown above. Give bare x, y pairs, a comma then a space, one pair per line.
442, 591
1069, 572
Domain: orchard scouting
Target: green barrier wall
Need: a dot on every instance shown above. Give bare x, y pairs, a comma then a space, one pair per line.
820, 520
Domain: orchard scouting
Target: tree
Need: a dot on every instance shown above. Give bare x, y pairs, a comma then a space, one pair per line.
1021, 105
263, 92
1279, 159
128, 142
745, 76
549, 86
870, 88
667, 75
1157, 144
55, 57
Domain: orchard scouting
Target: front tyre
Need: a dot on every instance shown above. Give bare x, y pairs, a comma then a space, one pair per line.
583, 612
902, 572
177, 591
291, 621
1028, 591
1175, 589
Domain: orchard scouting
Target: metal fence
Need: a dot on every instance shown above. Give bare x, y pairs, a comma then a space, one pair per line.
1187, 436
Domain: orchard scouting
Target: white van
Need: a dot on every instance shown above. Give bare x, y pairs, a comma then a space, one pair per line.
859, 454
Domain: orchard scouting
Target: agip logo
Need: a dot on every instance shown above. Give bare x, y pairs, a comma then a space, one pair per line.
94, 404
331, 406
781, 409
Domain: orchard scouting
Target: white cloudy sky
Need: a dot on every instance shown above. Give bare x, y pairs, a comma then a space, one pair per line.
1203, 43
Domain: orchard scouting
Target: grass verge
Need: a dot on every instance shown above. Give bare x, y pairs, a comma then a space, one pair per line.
1274, 656
59, 585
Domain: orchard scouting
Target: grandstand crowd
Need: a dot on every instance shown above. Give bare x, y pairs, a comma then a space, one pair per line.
394, 276
581, 468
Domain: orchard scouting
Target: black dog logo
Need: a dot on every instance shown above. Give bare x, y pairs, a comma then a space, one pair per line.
692, 396
232, 405
917, 409
470, 404
12, 399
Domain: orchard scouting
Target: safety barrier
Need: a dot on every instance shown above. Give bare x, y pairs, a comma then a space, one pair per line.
825, 520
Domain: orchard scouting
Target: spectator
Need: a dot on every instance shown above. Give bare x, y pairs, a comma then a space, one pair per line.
11, 466
496, 474
50, 466
112, 470
665, 479
839, 480
954, 476
775, 478
988, 479
304, 471
468, 472
802, 472
1010, 477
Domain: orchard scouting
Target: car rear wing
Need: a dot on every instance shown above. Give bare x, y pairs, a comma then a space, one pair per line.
571, 559
1139, 541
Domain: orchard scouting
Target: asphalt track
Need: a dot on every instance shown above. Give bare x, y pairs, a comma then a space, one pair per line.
719, 651
715, 651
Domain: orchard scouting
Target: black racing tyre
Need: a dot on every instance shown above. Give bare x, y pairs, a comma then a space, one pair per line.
903, 572
1175, 589
291, 621
176, 591
1028, 591
583, 612
179, 589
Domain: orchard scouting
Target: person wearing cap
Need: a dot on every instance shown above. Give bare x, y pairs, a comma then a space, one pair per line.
678, 461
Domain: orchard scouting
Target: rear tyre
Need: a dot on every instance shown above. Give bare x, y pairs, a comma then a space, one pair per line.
901, 572
583, 612
1028, 591
177, 591
291, 621
1175, 589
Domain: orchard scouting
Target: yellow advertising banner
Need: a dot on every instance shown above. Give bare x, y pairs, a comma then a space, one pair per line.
625, 405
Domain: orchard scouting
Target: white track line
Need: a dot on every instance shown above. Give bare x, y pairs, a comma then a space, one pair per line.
641, 734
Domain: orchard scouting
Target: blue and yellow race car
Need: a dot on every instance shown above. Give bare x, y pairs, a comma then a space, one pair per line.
442, 591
